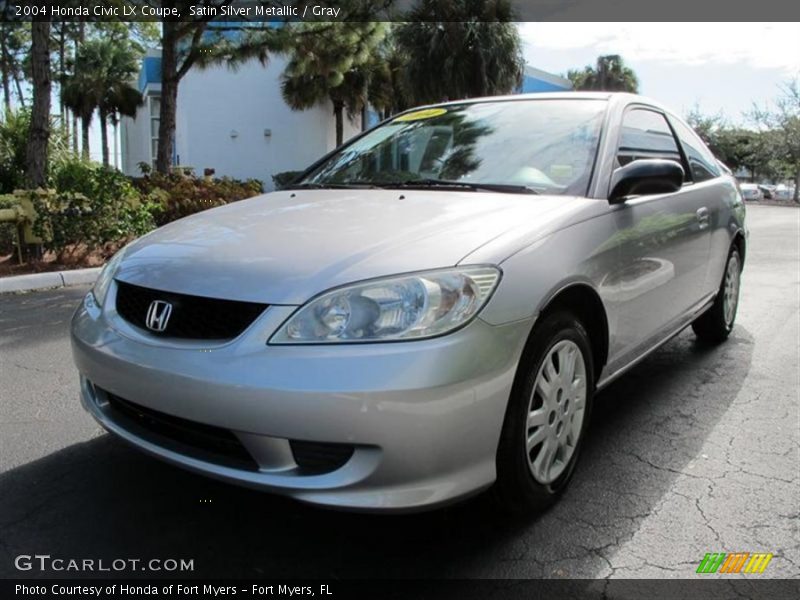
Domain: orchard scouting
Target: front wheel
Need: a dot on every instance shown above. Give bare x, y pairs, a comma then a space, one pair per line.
547, 415
716, 324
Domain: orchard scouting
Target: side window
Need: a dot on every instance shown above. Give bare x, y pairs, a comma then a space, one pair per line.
646, 134
701, 160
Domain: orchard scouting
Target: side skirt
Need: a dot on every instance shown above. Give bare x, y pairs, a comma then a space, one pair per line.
683, 323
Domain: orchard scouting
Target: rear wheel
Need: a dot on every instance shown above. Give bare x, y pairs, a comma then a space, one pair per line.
547, 415
716, 324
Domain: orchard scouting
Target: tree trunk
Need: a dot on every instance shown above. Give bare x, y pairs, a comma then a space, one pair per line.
20, 95
169, 96
84, 128
6, 91
482, 87
338, 111
117, 164
601, 74
5, 65
104, 136
166, 126
62, 49
39, 135
85, 123
74, 134
797, 186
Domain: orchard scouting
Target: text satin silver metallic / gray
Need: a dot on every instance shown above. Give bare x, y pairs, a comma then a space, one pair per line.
427, 311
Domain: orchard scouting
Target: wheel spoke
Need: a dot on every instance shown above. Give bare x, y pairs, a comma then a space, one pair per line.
566, 362
544, 460
575, 424
544, 388
538, 436
537, 418
550, 370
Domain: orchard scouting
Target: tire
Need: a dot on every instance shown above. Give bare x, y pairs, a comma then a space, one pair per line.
715, 325
527, 482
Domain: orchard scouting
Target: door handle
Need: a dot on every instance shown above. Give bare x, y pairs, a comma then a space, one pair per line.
702, 217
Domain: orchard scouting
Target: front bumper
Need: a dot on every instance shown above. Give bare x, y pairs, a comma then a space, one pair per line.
423, 417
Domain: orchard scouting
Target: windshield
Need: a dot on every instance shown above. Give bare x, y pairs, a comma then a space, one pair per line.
539, 146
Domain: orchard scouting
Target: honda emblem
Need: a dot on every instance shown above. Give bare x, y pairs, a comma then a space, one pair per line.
158, 315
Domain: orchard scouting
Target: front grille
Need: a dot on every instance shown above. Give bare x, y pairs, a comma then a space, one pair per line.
198, 440
315, 458
192, 317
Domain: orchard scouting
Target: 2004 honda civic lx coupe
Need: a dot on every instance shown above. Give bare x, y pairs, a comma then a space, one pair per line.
427, 311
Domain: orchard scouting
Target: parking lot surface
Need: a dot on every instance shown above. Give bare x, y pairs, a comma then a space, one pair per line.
696, 450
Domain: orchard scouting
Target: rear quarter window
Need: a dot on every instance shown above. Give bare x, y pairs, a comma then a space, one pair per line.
702, 163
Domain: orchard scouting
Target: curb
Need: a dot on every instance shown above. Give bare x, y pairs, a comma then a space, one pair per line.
783, 203
49, 280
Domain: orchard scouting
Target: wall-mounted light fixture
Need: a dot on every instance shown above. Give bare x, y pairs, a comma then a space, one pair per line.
268, 133
234, 134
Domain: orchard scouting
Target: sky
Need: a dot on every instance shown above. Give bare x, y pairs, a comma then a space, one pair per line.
718, 67
721, 68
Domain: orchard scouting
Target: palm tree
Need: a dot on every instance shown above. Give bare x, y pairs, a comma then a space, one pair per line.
123, 101
329, 62
103, 71
387, 88
460, 49
120, 97
610, 74
80, 96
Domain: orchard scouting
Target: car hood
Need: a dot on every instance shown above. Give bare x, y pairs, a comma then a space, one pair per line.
285, 247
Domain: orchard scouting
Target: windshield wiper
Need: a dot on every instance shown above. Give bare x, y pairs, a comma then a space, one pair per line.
430, 182
331, 186
424, 183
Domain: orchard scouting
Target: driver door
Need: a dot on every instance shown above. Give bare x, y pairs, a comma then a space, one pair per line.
663, 242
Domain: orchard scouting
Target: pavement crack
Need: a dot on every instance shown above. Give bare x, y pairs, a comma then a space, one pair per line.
34, 369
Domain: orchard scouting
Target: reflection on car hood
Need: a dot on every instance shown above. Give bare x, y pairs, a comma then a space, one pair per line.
285, 247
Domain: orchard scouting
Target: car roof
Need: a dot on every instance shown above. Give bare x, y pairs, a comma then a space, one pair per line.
619, 97
613, 98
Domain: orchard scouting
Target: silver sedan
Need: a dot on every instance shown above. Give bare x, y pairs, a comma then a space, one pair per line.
427, 311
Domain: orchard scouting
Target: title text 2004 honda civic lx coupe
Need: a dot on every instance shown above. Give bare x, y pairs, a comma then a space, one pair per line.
427, 311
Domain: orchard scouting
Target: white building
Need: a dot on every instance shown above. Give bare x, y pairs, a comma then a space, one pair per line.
236, 122
232, 121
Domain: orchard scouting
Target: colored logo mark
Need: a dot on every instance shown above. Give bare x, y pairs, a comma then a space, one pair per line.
737, 562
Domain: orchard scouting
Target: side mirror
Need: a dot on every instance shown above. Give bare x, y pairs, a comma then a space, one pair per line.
645, 176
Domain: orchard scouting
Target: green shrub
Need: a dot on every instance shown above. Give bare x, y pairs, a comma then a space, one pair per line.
281, 180
91, 205
13, 142
8, 231
14, 127
181, 195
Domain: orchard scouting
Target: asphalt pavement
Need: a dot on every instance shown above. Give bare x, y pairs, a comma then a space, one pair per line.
695, 451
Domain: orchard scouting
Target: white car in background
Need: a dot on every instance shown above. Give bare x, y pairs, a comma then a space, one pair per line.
783, 192
751, 192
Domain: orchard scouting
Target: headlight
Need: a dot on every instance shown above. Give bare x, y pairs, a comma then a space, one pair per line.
100, 289
405, 307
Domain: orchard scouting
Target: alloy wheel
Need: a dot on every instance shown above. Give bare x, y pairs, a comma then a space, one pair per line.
556, 411
731, 291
